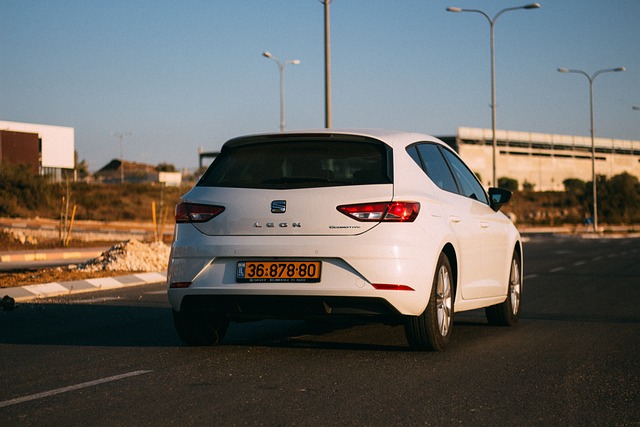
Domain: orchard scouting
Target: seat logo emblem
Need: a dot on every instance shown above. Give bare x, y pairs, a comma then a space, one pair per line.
279, 206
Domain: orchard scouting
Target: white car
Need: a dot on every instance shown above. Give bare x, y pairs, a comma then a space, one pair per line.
383, 225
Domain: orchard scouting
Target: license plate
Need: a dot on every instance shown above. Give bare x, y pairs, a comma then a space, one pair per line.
278, 271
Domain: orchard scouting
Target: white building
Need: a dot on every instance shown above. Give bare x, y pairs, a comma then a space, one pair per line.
56, 146
544, 160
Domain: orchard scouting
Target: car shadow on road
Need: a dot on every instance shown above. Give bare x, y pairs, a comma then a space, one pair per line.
120, 325
344, 335
327, 335
88, 325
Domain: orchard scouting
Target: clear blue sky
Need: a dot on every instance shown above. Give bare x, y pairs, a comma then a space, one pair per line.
180, 75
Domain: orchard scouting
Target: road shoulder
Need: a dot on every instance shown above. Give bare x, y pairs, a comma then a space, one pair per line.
53, 289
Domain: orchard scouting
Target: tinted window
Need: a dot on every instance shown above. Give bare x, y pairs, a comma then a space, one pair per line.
436, 167
300, 163
467, 181
413, 152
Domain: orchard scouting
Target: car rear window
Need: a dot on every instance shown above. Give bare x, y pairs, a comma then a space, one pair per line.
291, 163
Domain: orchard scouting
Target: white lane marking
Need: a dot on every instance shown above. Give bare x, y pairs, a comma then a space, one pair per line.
555, 270
579, 263
70, 388
92, 300
530, 276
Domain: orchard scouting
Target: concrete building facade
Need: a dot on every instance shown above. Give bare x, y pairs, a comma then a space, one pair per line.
543, 160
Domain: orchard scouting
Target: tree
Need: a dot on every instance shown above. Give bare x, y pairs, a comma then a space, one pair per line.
575, 193
574, 186
510, 184
165, 167
620, 201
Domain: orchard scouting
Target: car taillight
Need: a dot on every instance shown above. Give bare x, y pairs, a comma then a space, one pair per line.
382, 212
179, 285
192, 212
389, 287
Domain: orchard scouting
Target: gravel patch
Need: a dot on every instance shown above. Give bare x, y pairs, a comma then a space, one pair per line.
131, 255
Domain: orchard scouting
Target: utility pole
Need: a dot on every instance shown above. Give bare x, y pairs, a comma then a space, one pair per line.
121, 138
327, 65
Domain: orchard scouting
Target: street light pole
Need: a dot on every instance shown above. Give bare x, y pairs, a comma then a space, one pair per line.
591, 78
281, 66
327, 65
634, 108
492, 23
121, 136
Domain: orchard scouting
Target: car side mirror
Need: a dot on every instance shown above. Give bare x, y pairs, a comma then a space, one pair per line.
498, 197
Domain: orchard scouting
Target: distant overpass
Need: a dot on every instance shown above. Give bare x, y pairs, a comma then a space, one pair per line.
206, 155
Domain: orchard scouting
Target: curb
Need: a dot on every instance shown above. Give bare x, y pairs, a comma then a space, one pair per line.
53, 289
49, 255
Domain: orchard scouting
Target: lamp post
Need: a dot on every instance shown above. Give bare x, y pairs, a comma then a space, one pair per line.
492, 23
121, 136
591, 78
281, 66
634, 108
327, 65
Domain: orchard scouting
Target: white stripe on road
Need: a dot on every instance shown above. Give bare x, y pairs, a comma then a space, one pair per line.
70, 388
92, 300
555, 270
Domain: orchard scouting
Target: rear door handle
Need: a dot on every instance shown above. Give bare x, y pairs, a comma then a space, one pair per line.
454, 219
484, 224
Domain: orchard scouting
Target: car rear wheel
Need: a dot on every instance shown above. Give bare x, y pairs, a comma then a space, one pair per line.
508, 312
432, 329
200, 329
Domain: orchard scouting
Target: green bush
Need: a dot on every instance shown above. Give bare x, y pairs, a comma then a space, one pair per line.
510, 184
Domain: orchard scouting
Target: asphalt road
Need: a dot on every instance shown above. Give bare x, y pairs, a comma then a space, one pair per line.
112, 358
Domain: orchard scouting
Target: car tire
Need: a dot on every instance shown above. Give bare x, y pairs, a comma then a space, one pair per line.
508, 312
200, 329
432, 329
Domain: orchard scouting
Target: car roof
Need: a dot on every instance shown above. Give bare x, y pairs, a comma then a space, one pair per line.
393, 138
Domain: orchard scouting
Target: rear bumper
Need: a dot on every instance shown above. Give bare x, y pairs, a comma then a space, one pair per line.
350, 267
253, 307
